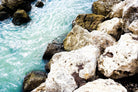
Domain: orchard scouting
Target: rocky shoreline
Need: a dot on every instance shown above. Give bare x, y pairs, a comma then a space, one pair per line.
99, 54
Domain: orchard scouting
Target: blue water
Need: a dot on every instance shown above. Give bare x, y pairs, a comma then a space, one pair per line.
22, 47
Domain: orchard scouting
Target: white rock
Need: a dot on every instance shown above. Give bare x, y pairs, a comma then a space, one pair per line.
120, 60
79, 37
68, 70
102, 85
111, 27
134, 27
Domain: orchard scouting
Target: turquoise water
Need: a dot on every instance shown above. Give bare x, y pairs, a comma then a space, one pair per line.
22, 47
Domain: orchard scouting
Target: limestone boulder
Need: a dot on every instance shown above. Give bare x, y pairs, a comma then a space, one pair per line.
33, 80
20, 17
103, 7
70, 70
102, 85
111, 27
80, 37
133, 27
88, 21
121, 59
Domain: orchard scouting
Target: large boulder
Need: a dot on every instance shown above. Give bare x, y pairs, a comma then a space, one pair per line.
111, 27
33, 80
103, 7
121, 59
13, 5
127, 10
70, 70
102, 85
80, 37
133, 27
20, 17
88, 21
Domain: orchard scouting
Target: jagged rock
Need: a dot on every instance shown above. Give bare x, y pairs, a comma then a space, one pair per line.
20, 17
3, 15
120, 60
133, 27
40, 88
52, 48
102, 85
88, 21
13, 5
70, 70
33, 80
103, 7
39, 4
80, 37
127, 10
111, 27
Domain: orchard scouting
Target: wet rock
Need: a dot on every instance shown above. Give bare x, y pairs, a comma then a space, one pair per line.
33, 80
121, 59
133, 27
13, 5
111, 27
103, 7
3, 15
39, 4
88, 21
52, 48
80, 37
102, 85
69, 70
20, 17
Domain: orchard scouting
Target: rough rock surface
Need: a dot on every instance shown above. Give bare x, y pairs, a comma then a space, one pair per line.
70, 70
133, 27
80, 37
120, 60
40, 88
127, 10
88, 21
20, 17
103, 7
33, 80
111, 27
102, 85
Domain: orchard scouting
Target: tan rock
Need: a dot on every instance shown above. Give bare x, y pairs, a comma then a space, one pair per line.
133, 27
88, 21
102, 85
79, 37
120, 60
111, 27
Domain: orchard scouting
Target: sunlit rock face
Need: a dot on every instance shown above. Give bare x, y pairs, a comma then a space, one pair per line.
120, 60
102, 85
79, 37
133, 27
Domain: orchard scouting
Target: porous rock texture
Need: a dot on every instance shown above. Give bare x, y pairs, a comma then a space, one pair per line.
120, 60
127, 10
80, 37
133, 27
88, 21
102, 85
70, 70
111, 27
103, 7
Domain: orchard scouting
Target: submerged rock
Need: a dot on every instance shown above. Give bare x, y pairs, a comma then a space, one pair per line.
39, 4
88, 21
111, 27
20, 17
70, 70
103, 7
121, 59
133, 27
80, 37
102, 85
33, 80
